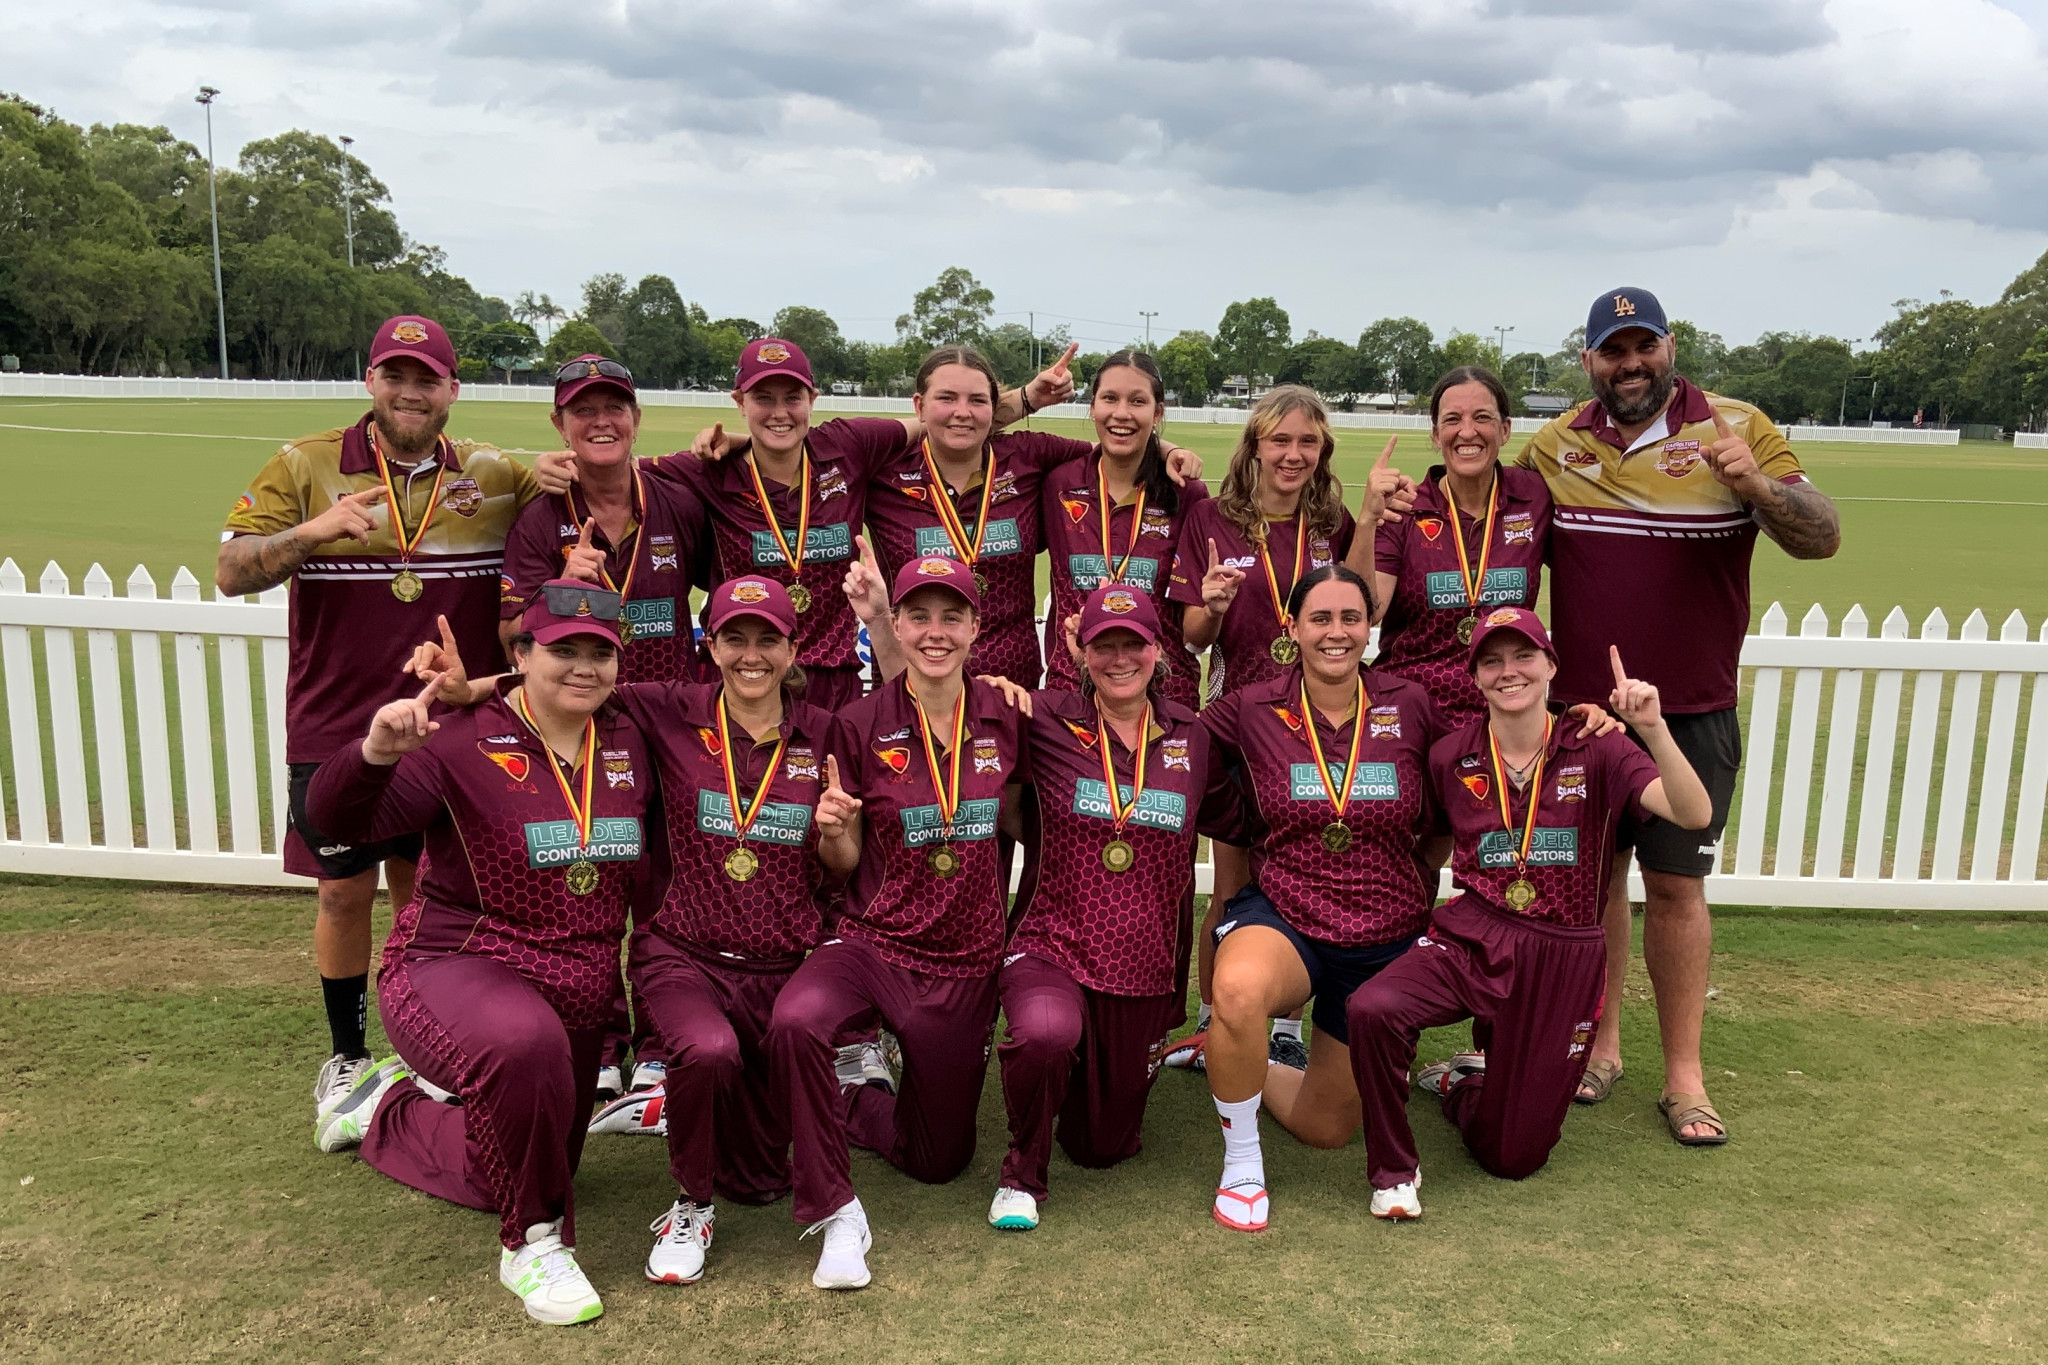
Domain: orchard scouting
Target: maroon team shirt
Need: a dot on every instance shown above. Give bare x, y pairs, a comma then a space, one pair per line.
1244, 646
905, 525
774, 915
1419, 636
666, 552
1073, 539
1121, 933
1378, 890
499, 839
942, 926
1587, 785
845, 453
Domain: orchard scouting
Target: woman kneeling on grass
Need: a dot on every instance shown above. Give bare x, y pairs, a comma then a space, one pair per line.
1532, 810
499, 976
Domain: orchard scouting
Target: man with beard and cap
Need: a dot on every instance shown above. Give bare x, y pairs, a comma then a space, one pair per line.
1660, 489
380, 528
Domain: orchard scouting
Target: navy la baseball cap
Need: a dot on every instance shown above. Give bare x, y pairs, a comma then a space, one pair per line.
1619, 308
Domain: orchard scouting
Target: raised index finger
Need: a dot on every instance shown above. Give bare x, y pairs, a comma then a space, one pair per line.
1215, 560
831, 771
1386, 454
1066, 358
369, 497
1721, 427
1620, 673
583, 540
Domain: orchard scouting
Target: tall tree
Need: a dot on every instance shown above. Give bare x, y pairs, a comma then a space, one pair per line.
1252, 336
1926, 353
817, 336
661, 345
1190, 369
953, 310
1399, 353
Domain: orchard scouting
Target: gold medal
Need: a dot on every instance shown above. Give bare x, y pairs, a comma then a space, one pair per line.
1466, 625
1284, 650
792, 552
980, 582
1521, 893
799, 597
1473, 583
1336, 836
742, 863
943, 861
581, 877
625, 631
1119, 856
965, 549
406, 586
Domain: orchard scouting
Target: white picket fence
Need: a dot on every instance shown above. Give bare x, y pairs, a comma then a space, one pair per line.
2030, 440
1858, 838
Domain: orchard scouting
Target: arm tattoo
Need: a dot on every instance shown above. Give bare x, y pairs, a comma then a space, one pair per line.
1801, 518
259, 563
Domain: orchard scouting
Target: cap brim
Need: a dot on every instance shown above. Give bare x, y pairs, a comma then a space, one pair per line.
786, 371
1100, 628
566, 394
1479, 642
431, 362
718, 623
563, 630
1594, 343
941, 585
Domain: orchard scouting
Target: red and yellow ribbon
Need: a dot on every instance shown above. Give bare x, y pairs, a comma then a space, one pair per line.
584, 814
625, 589
1500, 784
1114, 569
407, 545
968, 551
1475, 587
742, 822
1119, 810
1273, 582
1340, 797
795, 559
948, 797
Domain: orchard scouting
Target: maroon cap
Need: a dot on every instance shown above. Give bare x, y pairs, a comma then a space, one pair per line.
421, 338
1517, 620
936, 571
588, 371
768, 356
569, 606
1114, 606
751, 596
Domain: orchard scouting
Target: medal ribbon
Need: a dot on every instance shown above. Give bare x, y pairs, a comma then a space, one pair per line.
1119, 811
1339, 797
625, 589
743, 823
1280, 598
1500, 784
948, 797
1114, 568
949, 515
406, 544
1475, 587
583, 814
794, 559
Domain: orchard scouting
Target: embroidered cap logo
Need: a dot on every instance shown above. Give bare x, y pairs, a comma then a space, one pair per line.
1622, 307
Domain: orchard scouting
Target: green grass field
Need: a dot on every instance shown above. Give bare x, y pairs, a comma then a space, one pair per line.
160, 1197
1954, 527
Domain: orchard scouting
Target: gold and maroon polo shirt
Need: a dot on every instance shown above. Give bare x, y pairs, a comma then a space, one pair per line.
1650, 551
1243, 653
349, 635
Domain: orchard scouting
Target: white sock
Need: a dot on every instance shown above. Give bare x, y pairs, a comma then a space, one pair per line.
1202, 1018
1242, 1159
1287, 1028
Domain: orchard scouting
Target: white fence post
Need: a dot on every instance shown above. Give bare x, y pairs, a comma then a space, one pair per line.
109, 722
2026, 837
1956, 762
195, 724
2005, 713
1912, 838
1761, 749
67, 733
1877, 760
24, 717
152, 726
1841, 763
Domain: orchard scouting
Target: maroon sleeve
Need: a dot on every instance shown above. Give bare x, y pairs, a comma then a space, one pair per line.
693, 530
864, 442
677, 467
362, 802
1630, 771
1191, 557
533, 555
1041, 451
1431, 819
1436, 765
1390, 545
843, 742
1020, 737
1220, 718
1546, 514
1222, 814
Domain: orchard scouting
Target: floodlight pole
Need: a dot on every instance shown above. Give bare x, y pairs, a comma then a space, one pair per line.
348, 202
1501, 345
206, 97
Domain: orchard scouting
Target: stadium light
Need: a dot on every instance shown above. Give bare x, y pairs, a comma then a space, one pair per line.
206, 97
1501, 346
1148, 325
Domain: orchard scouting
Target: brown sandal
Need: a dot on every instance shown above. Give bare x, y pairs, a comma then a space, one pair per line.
1600, 1077
1680, 1110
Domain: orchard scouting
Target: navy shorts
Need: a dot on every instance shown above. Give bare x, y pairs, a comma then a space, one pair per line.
1712, 742
1334, 969
318, 856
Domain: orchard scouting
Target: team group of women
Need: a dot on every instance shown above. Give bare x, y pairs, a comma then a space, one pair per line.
812, 885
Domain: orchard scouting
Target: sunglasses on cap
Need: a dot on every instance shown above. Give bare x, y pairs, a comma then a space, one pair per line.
590, 369
599, 603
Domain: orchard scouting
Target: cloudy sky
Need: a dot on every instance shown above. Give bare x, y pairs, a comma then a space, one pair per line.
1476, 163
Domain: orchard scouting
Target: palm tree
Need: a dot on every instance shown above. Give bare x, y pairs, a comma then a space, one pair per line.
530, 308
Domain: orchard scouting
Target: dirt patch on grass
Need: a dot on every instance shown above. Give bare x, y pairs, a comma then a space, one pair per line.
82, 961
1968, 992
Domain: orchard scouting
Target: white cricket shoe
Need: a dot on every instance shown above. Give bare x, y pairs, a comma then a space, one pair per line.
545, 1276
864, 1064
611, 1083
338, 1076
843, 1260
1401, 1204
648, 1074
1013, 1210
682, 1236
345, 1119
637, 1113
1441, 1078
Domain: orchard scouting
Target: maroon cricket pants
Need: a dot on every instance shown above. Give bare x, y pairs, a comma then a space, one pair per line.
709, 1016
1080, 1056
1536, 986
474, 1026
926, 1129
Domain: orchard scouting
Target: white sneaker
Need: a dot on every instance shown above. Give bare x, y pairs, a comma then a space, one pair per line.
338, 1076
343, 1120
843, 1261
1441, 1078
648, 1074
1401, 1204
681, 1238
637, 1113
1013, 1210
611, 1083
863, 1064
544, 1274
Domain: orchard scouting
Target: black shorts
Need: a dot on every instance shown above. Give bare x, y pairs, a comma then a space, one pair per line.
1334, 970
1712, 742
331, 860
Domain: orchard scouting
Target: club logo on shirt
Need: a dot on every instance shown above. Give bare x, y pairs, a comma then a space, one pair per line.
897, 759
988, 757
463, 497
245, 503
1571, 783
1288, 718
800, 765
1582, 1037
1476, 783
505, 588
1586, 462
618, 769
1431, 528
663, 557
915, 490
1518, 528
1005, 487
1082, 733
1173, 755
1679, 458
1319, 556
1549, 846
516, 765
557, 843
973, 820
831, 483
1372, 782
1156, 523
1076, 509
1156, 809
709, 738
1383, 722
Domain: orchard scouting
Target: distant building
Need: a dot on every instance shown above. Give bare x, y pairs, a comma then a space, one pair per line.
1546, 405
